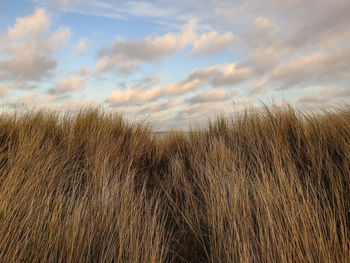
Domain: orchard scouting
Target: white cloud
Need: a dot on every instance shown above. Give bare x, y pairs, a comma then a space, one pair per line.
81, 46
156, 107
70, 84
137, 95
212, 42
73, 106
55, 40
259, 87
134, 95
19, 85
210, 96
318, 67
152, 80
263, 46
274, 44
222, 74
147, 82
27, 48
314, 102
25, 67
198, 113
125, 55
84, 70
263, 33
215, 76
263, 60
332, 92
327, 29
28, 26
32, 99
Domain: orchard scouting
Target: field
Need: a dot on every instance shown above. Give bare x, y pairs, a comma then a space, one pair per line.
269, 185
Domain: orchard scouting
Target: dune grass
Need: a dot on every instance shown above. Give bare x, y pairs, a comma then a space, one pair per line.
269, 185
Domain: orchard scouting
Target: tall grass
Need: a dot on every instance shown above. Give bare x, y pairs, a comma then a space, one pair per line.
269, 185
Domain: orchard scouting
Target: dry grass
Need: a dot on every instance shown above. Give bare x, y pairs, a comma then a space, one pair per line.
270, 185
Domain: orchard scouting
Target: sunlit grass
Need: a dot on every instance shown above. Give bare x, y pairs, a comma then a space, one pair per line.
269, 185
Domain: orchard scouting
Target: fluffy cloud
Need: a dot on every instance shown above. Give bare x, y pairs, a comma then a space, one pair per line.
275, 44
26, 67
216, 76
311, 99
212, 42
259, 87
263, 33
84, 70
75, 105
81, 46
34, 24
152, 80
32, 99
332, 92
19, 85
322, 97
210, 96
158, 106
137, 95
330, 26
314, 102
222, 74
341, 92
27, 48
263, 60
264, 46
48, 102
268, 45
125, 55
198, 113
70, 84
301, 27
318, 67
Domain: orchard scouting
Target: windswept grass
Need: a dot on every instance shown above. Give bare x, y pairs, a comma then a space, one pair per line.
269, 185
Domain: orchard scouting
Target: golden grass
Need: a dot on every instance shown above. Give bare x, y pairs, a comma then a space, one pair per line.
270, 185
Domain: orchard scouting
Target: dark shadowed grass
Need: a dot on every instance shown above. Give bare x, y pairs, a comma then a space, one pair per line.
269, 185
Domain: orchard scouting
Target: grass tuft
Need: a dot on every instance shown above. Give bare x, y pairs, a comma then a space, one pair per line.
268, 185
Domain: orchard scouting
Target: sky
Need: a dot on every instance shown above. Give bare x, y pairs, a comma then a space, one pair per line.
173, 63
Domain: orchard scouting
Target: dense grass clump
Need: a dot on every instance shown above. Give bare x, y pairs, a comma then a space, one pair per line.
269, 185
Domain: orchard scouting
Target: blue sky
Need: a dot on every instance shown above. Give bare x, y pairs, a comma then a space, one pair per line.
173, 62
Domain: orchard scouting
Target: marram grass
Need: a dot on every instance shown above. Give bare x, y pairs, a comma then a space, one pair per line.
269, 185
